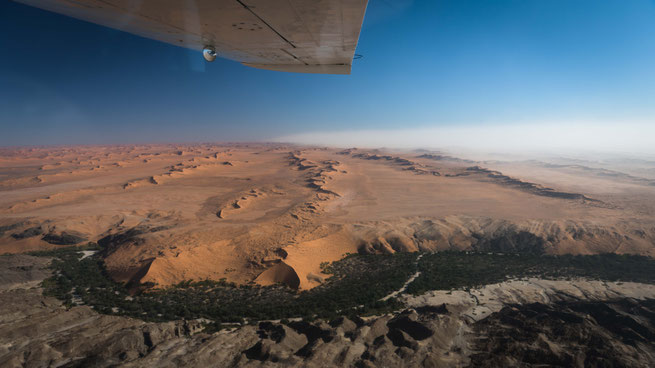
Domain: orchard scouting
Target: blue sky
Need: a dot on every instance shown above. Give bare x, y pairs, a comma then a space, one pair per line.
426, 64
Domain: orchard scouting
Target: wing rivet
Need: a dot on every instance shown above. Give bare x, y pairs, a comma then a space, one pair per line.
209, 53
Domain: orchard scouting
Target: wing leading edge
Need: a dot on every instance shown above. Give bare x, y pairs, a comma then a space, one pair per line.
303, 36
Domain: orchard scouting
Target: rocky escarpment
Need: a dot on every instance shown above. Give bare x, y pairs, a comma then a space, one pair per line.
506, 236
41, 332
510, 182
608, 324
407, 165
401, 340
445, 158
618, 333
44, 331
537, 189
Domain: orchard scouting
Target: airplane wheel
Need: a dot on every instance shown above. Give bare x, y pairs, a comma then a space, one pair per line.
209, 53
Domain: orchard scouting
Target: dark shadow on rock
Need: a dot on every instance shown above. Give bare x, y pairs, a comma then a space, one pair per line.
413, 328
63, 239
28, 233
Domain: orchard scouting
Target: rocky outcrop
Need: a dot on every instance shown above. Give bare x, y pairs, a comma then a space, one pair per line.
568, 334
278, 343
64, 238
407, 323
28, 233
22, 271
6, 228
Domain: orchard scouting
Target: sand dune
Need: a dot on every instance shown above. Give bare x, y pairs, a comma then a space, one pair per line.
281, 273
274, 213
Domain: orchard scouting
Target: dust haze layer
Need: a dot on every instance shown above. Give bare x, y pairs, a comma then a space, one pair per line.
273, 213
572, 137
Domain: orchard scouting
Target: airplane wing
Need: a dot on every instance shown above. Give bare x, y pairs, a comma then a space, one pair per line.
304, 36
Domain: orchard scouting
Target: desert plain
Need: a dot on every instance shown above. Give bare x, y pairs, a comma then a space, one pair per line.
274, 213
278, 214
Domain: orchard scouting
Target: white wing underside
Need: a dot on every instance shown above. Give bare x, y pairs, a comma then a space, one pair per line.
306, 36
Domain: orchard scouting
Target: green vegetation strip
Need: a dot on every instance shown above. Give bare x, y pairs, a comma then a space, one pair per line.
356, 285
457, 270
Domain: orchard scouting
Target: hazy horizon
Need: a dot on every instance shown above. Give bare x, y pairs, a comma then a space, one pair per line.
529, 140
